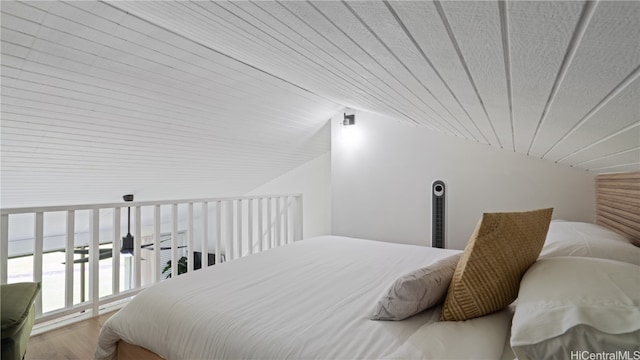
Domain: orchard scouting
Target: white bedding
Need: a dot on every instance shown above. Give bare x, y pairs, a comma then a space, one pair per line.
308, 300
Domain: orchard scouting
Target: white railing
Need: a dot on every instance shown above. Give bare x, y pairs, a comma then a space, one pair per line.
214, 230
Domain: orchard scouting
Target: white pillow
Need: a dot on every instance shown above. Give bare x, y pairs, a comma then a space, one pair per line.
570, 304
416, 291
576, 228
587, 240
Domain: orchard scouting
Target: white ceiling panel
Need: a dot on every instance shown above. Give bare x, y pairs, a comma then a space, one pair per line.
622, 140
603, 55
615, 115
539, 36
204, 98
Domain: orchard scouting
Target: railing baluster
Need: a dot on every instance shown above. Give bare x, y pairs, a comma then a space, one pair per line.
4, 247
68, 252
137, 250
115, 252
94, 260
278, 221
286, 219
269, 225
250, 226
37, 257
174, 241
299, 218
260, 234
204, 252
239, 228
230, 252
157, 222
218, 230
190, 238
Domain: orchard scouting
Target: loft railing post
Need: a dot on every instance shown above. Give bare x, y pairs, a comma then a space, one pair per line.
115, 252
83, 276
4, 247
250, 226
278, 222
260, 234
190, 238
299, 219
94, 261
286, 219
269, 225
174, 241
239, 227
37, 257
157, 269
229, 227
137, 250
204, 250
68, 268
218, 233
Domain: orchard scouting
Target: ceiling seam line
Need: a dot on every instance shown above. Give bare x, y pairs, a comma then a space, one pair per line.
107, 46
221, 53
125, 64
353, 12
94, 117
581, 27
100, 87
623, 130
352, 80
162, 141
255, 39
84, 74
419, 108
608, 155
363, 80
78, 82
175, 148
426, 58
416, 122
456, 46
635, 74
218, 108
506, 52
174, 118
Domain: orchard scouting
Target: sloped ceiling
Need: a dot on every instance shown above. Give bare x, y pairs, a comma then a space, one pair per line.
179, 99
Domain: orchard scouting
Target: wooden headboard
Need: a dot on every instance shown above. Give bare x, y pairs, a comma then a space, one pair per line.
618, 203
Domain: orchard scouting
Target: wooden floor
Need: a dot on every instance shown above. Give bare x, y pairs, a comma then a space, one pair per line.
76, 341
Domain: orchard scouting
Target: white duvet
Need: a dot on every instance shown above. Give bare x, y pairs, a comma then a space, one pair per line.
308, 300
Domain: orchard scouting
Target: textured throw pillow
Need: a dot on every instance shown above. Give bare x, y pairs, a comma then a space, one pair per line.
501, 249
416, 291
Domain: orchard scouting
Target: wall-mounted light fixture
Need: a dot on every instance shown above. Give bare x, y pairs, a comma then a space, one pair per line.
349, 119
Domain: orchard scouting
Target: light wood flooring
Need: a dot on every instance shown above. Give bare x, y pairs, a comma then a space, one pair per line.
75, 341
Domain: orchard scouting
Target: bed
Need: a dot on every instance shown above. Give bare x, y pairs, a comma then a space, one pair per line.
313, 300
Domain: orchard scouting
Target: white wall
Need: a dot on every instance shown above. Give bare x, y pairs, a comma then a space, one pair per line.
382, 173
313, 181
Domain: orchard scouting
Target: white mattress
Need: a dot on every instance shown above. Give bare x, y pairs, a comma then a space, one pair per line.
308, 300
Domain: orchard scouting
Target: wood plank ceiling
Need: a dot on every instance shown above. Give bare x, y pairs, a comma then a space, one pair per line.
191, 98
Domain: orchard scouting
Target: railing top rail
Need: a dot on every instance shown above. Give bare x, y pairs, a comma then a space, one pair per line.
36, 209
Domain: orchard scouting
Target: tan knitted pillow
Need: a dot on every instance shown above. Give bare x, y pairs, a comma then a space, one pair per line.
501, 249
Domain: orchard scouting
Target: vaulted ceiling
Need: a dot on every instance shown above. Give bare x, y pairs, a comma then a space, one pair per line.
175, 99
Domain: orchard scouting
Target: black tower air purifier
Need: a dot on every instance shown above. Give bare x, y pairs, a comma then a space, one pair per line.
437, 214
